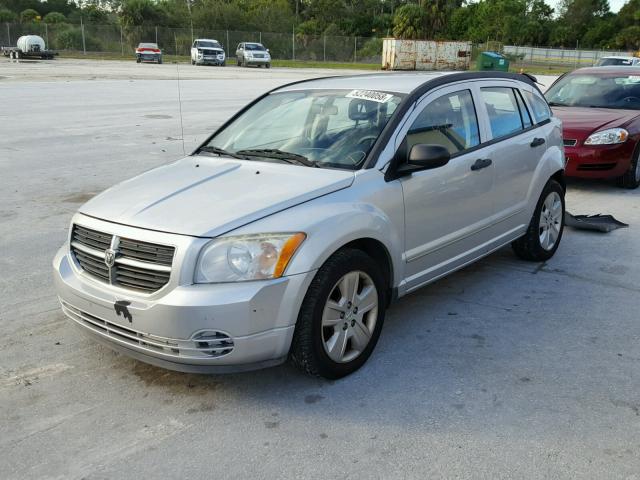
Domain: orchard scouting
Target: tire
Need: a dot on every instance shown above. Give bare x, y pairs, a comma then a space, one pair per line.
159, 61
238, 61
268, 65
357, 332
548, 217
223, 64
138, 60
631, 178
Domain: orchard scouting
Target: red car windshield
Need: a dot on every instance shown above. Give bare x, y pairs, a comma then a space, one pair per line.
617, 90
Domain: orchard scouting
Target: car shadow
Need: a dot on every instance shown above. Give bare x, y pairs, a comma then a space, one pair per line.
457, 347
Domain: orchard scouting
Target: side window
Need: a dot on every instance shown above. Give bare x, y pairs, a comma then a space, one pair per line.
524, 112
449, 121
539, 106
502, 107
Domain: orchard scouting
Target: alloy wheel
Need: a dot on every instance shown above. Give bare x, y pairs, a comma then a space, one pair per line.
550, 221
349, 317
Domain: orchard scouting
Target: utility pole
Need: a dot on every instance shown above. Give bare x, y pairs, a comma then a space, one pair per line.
84, 45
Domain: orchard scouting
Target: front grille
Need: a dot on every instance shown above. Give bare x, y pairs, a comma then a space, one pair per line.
139, 265
258, 55
209, 344
569, 142
596, 167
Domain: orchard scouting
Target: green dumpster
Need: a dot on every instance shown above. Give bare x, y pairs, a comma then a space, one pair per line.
493, 61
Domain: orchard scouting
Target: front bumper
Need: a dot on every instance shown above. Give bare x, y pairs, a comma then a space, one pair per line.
191, 328
257, 61
148, 57
602, 161
210, 60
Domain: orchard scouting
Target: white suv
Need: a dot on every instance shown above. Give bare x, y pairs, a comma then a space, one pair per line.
205, 51
290, 229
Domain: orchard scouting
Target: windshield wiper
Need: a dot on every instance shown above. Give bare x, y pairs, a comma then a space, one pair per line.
278, 155
556, 104
219, 151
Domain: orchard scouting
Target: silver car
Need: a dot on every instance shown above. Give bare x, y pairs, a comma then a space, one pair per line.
251, 53
291, 229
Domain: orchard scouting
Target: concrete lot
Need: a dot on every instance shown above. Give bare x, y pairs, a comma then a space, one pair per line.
503, 370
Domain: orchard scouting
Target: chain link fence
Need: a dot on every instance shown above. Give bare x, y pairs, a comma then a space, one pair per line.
559, 56
113, 39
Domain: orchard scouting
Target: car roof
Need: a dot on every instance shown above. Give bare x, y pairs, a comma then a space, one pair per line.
621, 69
397, 82
619, 57
206, 40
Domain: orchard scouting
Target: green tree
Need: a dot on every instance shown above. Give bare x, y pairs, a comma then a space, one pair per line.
29, 15
141, 12
7, 15
408, 22
54, 17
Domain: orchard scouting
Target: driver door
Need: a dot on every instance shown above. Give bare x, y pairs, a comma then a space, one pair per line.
447, 209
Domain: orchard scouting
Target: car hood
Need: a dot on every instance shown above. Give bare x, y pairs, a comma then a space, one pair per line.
206, 197
580, 122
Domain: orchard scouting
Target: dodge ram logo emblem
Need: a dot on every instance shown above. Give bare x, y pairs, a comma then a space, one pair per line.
109, 257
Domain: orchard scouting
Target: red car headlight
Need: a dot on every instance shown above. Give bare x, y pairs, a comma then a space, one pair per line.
608, 137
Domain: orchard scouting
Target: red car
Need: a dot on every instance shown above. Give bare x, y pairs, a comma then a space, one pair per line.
600, 113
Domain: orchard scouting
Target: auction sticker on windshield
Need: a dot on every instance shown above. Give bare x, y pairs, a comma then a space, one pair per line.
372, 95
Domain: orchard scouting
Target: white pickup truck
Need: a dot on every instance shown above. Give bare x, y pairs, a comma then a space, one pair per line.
206, 51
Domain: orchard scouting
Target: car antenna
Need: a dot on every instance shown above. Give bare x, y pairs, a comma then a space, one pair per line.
184, 152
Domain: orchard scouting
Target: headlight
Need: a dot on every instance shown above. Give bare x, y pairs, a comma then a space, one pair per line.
247, 257
607, 137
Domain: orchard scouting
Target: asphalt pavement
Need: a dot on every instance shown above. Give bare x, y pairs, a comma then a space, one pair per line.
505, 369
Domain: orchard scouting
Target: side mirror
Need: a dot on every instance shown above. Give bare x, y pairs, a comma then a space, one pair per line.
424, 157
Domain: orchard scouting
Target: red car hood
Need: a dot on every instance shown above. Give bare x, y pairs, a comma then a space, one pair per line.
579, 122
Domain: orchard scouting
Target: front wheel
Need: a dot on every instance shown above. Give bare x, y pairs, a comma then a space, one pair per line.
341, 316
631, 178
268, 65
543, 236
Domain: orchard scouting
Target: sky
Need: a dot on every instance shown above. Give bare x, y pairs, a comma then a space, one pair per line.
615, 5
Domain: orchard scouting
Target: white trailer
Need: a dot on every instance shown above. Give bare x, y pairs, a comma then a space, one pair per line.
29, 46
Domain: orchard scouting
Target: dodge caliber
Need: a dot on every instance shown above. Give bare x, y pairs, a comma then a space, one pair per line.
288, 232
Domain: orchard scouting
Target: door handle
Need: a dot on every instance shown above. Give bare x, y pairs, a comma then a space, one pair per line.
481, 163
537, 142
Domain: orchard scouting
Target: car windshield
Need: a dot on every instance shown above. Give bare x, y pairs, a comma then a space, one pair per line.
618, 90
148, 45
327, 128
614, 61
207, 44
254, 46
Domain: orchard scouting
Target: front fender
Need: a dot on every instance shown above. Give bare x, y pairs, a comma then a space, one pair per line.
369, 209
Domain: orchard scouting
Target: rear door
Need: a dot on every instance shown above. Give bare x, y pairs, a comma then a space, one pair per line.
517, 147
447, 209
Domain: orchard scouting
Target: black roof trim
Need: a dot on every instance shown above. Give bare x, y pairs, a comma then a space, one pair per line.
421, 90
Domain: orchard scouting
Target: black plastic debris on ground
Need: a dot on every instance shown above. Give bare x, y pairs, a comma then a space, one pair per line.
597, 223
